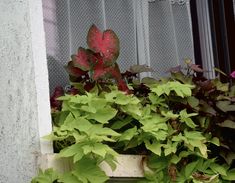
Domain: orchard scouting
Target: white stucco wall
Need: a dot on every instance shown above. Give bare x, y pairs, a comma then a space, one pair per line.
24, 99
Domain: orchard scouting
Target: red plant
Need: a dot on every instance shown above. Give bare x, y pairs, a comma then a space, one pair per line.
99, 60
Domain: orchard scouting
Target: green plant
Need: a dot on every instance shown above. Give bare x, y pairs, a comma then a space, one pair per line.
177, 122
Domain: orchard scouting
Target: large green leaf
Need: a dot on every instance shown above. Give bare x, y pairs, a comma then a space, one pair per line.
103, 115
86, 170
68, 178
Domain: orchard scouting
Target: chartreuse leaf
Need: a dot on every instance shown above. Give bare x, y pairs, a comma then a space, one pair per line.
230, 175
157, 100
121, 123
71, 151
190, 168
134, 110
86, 170
182, 90
48, 176
103, 115
103, 150
193, 101
69, 178
224, 87
170, 148
185, 117
222, 170
155, 147
169, 115
128, 134
215, 141
111, 160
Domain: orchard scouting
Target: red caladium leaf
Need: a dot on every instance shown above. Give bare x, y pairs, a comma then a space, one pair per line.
81, 60
74, 71
99, 69
106, 43
122, 86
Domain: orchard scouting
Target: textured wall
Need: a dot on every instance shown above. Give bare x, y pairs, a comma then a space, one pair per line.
19, 134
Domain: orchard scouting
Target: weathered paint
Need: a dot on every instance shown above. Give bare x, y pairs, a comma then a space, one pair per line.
24, 104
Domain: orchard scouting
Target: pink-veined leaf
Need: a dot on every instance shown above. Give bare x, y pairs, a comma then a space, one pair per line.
81, 59
116, 74
74, 71
232, 74
106, 43
99, 70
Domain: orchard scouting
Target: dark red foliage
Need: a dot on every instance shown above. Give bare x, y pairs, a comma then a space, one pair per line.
56, 104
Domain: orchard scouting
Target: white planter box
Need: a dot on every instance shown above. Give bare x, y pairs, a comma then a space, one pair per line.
130, 166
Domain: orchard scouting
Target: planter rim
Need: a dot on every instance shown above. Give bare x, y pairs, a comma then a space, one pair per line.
128, 166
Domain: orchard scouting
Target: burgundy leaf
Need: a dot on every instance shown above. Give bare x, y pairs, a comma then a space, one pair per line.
106, 43
81, 60
74, 71
99, 70
56, 104
73, 91
116, 74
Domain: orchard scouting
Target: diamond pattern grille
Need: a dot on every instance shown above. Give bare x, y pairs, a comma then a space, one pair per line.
66, 24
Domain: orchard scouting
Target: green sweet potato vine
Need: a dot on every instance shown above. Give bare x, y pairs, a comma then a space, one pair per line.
184, 123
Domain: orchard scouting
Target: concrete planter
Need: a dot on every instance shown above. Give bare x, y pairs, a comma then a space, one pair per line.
128, 166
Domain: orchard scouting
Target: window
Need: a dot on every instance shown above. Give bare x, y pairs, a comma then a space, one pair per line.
157, 33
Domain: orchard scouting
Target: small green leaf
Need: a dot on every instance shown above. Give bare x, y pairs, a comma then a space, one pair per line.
121, 123
227, 124
215, 141
175, 159
190, 168
193, 101
155, 147
225, 106
230, 175
71, 151
218, 169
128, 134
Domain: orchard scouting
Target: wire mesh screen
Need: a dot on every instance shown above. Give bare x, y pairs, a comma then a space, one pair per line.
120, 17
170, 35
67, 22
